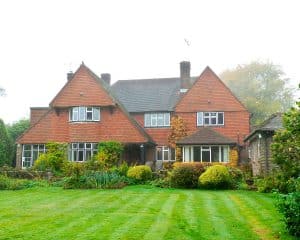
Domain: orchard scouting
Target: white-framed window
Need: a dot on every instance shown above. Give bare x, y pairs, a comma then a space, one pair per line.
210, 118
84, 114
30, 153
80, 152
157, 119
165, 153
217, 153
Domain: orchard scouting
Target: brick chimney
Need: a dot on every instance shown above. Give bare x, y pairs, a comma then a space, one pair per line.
106, 77
70, 75
185, 75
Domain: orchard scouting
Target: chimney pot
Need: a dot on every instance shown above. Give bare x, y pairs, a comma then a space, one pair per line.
185, 74
70, 75
106, 77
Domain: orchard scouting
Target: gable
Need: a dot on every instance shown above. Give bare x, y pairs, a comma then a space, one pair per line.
82, 90
209, 93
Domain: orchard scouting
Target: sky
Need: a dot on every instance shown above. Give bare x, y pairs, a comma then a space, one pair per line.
41, 41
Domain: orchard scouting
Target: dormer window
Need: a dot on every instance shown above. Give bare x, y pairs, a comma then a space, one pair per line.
157, 119
84, 114
210, 118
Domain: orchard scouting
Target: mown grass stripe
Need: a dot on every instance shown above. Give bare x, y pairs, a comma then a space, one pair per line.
110, 202
105, 221
261, 230
120, 232
160, 226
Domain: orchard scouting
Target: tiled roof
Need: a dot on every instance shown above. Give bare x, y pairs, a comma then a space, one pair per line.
147, 95
206, 136
273, 123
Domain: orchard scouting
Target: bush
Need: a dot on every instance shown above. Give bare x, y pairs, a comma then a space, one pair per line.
109, 153
74, 169
54, 159
289, 206
161, 182
140, 173
215, 177
122, 169
236, 176
7, 183
278, 183
185, 175
97, 180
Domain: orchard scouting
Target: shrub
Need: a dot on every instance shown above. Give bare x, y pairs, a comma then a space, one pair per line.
236, 176
215, 177
122, 169
289, 206
96, 180
74, 169
277, 182
140, 173
7, 183
161, 182
54, 159
109, 153
185, 175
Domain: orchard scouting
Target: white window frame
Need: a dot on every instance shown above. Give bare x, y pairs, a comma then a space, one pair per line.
202, 117
81, 147
158, 119
188, 153
79, 114
163, 150
41, 148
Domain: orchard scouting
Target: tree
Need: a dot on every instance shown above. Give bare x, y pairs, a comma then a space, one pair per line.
261, 87
178, 131
286, 144
2, 91
5, 146
14, 131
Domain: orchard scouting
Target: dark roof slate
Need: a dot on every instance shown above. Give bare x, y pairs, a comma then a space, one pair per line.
206, 136
148, 95
273, 123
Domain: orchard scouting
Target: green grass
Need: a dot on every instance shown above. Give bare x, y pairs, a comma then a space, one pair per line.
138, 212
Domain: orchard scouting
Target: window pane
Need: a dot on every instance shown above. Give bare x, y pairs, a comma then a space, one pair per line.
197, 152
88, 155
154, 120
88, 145
81, 145
215, 154
220, 118
147, 120
160, 119
96, 114
213, 118
159, 153
225, 154
80, 156
172, 153
81, 113
75, 114
205, 154
166, 153
199, 118
167, 119
206, 118
89, 114
27, 147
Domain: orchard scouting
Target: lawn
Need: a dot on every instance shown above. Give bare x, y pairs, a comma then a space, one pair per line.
138, 212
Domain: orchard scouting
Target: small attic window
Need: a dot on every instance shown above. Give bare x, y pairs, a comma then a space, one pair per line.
84, 114
183, 90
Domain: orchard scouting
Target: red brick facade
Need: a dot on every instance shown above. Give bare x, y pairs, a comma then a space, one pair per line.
208, 93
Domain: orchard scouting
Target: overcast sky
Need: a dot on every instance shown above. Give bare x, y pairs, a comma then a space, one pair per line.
40, 41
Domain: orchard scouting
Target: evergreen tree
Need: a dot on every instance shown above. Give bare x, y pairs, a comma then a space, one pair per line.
5, 146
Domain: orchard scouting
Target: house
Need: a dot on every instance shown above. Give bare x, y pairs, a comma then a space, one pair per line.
138, 113
259, 142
